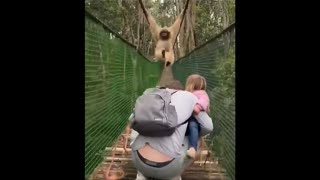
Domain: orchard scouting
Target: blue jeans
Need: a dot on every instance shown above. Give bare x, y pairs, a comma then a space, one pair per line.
193, 132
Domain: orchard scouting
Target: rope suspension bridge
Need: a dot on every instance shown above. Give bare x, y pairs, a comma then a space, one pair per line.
116, 74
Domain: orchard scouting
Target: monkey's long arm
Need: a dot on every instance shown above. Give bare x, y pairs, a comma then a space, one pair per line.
175, 27
154, 27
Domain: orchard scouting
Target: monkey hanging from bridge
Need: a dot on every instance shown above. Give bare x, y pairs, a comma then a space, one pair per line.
164, 37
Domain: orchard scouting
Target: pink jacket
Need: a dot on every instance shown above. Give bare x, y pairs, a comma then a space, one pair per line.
203, 99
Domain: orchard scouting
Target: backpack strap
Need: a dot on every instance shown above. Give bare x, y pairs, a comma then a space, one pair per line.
182, 123
174, 92
162, 87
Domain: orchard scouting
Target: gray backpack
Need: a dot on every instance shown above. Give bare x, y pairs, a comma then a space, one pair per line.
153, 114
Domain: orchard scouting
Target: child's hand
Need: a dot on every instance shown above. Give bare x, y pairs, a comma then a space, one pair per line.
196, 109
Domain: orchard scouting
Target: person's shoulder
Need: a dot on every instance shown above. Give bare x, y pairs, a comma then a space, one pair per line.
186, 94
148, 90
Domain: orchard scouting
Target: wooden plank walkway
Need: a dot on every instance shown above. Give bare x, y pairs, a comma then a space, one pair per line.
118, 165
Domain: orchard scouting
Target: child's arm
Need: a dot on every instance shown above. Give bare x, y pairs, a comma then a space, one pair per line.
203, 101
197, 108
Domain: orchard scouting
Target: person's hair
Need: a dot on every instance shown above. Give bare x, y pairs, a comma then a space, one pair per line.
175, 84
195, 82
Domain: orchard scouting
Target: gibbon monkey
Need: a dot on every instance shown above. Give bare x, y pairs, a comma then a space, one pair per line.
164, 37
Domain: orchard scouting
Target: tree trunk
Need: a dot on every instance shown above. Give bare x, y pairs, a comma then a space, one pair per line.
144, 42
186, 37
180, 46
225, 21
191, 26
138, 28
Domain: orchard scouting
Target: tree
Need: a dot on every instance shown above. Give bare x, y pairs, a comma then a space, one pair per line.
203, 20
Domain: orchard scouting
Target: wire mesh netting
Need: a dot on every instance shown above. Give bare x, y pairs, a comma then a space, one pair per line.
215, 60
115, 74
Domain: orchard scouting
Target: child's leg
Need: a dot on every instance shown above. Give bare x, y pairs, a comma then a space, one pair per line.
193, 136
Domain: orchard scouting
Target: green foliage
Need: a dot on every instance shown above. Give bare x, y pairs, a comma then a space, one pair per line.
107, 11
122, 17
